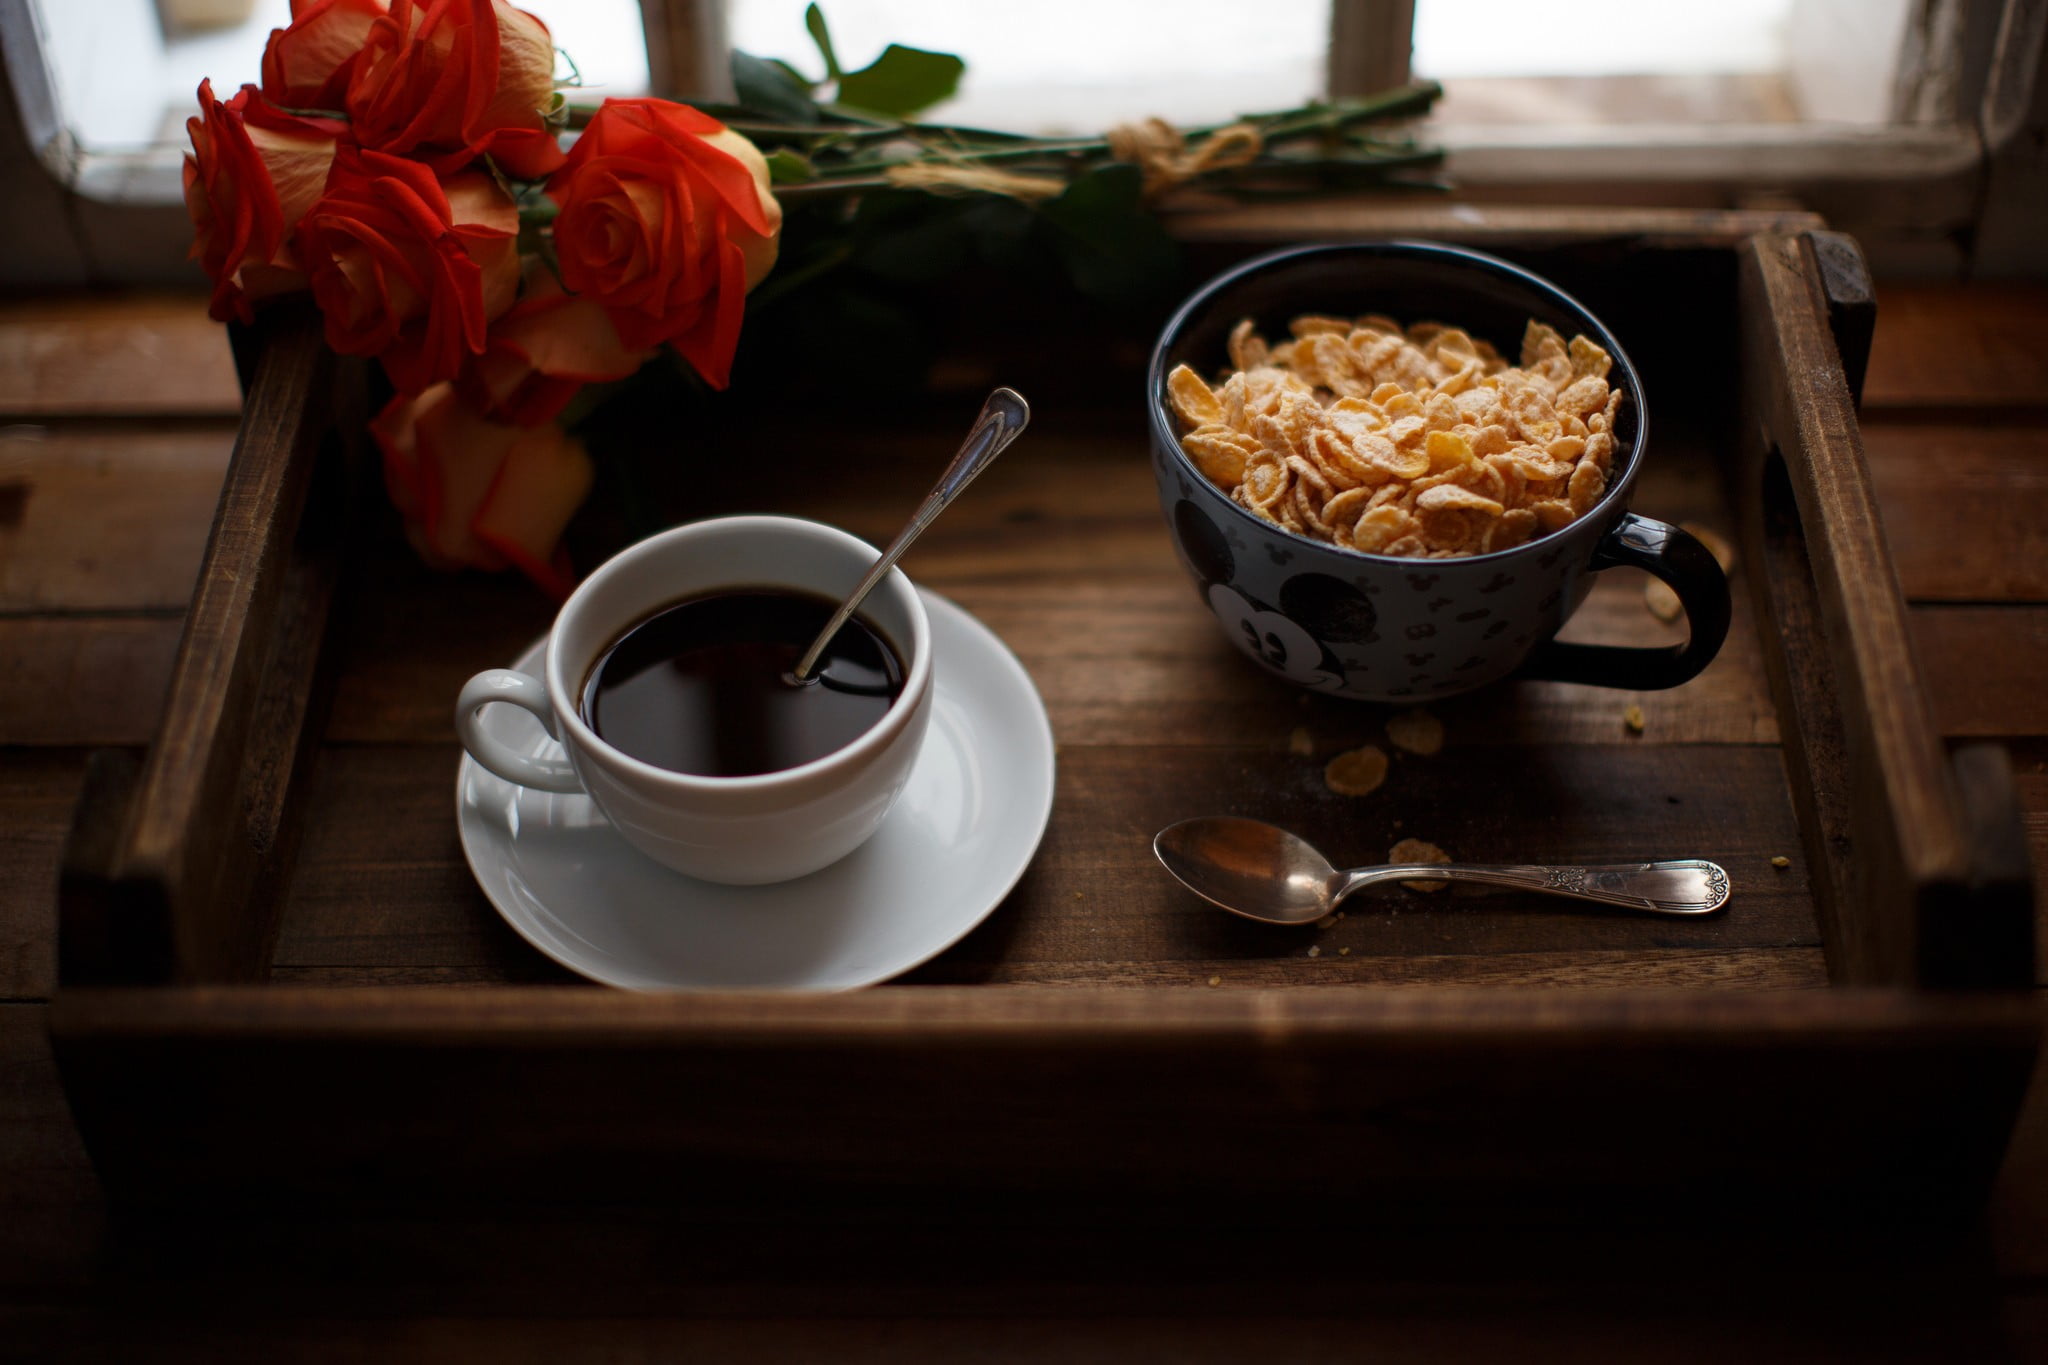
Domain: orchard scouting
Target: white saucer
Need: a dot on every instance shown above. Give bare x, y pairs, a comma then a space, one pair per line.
956, 842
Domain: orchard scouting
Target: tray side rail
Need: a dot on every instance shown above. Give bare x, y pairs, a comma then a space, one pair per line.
1917, 878
173, 867
1003, 1103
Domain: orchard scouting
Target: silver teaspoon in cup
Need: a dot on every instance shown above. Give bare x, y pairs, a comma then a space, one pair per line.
1002, 420
1262, 872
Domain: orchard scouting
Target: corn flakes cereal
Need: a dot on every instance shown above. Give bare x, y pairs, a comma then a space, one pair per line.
1356, 772
1416, 731
1421, 442
1418, 851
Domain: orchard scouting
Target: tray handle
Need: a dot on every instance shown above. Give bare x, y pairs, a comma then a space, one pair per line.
1911, 857
173, 869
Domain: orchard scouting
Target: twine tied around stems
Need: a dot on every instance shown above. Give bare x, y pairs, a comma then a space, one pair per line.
1166, 159
1163, 157
940, 177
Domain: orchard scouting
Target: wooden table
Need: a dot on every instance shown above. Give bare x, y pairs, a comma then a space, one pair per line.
125, 411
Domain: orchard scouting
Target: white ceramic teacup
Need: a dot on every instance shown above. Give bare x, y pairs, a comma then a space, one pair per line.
764, 828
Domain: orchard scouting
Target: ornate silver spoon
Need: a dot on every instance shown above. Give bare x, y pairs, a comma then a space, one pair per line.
1262, 872
1002, 419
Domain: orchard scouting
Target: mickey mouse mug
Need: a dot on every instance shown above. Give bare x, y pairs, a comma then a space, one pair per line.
1386, 628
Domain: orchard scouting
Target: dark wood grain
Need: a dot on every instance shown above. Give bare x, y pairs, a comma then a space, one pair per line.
105, 518
38, 788
50, 1208
1485, 225
1984, 667
209, 827
382, 883
1468, 1104
1028, 1036
1878, 804
118, 353
1088, 593
1972, 345
1966, 506
84, 679
1328, 1324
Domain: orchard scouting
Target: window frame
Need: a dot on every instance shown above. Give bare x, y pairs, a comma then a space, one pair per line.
1965, 87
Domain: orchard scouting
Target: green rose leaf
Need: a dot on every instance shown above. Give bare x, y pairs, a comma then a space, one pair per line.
814, 20
786, 167
902, 81
769, 89
909, 237
1113, 246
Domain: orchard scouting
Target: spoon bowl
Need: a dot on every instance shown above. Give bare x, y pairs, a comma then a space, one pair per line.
1266, 873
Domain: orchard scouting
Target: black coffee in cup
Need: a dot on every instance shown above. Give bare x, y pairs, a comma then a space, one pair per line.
703, 687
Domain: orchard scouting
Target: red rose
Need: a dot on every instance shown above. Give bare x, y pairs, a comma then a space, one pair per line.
666, 220
308, 65
476, 493
448, 81
408, 267
538, 355
252, 173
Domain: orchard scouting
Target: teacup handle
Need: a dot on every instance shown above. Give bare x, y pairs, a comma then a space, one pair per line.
522, 690
1690, 568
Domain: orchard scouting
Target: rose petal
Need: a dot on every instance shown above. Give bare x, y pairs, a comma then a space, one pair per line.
544, 480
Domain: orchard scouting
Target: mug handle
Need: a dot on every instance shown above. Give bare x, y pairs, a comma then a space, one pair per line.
1681, 561
522, 690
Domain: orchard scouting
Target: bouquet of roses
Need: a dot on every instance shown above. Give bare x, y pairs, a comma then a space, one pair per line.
403, 161
384, 164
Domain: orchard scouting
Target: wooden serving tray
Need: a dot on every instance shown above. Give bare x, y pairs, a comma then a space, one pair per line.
264, 926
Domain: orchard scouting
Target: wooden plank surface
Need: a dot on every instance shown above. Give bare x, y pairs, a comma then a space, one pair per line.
100, 355
1984, 667
95, 517
1966, 345
1156, 718
1978, 494
86, 679
382, 882
48, 1254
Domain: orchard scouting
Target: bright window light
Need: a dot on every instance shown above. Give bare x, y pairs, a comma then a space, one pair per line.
1074, 66
1598, 38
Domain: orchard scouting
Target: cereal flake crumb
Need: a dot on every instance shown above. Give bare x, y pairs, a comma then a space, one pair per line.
1633, 719
1418, 851
1343, 952
1215, 980
1717, 544
1662, 601
1315, 952
1416, 731
1781, 861
1356, 772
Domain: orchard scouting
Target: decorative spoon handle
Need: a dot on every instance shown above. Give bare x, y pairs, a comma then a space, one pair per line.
1686, 887
1002, 418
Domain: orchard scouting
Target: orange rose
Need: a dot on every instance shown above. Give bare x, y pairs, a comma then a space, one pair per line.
252, 173
448, 81
475, 493
538, 355
666, 220
408, 267
308, 65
